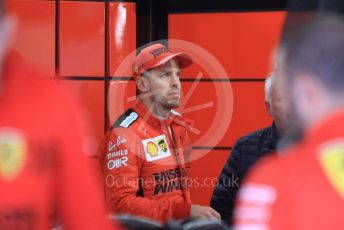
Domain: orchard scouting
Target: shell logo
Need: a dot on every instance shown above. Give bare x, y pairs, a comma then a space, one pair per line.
152, 149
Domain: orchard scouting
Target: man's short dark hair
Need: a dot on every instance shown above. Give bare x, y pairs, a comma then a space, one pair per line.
317, 47
2, 7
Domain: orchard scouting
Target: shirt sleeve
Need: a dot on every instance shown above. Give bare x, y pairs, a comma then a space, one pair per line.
262, 199
226, 188
121, 165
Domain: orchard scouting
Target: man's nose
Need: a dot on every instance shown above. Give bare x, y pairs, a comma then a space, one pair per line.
174, 80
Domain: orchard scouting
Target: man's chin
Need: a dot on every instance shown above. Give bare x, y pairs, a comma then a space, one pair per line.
291, 135
172, 104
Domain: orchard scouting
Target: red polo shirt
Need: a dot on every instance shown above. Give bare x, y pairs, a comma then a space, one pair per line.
43, 168
301, 189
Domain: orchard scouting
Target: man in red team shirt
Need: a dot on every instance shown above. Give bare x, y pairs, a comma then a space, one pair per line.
43, 170
304, 188
144, 155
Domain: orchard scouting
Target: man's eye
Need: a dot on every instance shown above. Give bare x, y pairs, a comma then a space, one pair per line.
165, 75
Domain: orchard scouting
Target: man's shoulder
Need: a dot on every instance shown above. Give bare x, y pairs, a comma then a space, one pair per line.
255, 136
126, 119
284, 164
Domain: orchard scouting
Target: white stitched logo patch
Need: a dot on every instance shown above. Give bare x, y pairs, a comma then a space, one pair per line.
119, 141
129, 120
117, 163
156, 148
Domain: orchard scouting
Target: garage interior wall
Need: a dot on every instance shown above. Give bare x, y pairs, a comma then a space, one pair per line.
85, 42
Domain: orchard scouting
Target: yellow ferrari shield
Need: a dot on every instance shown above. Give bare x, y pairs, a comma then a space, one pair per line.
332, 162
12, 153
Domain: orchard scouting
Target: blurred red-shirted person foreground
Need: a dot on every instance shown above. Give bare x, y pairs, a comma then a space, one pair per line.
304, 188
43, 170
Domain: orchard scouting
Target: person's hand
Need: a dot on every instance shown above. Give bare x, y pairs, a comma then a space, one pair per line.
203, 212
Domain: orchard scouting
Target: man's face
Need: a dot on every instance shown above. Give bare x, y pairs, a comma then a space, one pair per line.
278, 104
292, 118
7, 31
165, 85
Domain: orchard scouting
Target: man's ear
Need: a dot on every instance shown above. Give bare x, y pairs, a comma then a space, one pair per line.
308, 94
8, 31
142, 84
268, 107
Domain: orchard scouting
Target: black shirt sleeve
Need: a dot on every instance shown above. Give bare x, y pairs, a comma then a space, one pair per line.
227, 186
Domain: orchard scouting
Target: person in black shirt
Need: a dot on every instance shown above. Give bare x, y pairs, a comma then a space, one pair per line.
247, 150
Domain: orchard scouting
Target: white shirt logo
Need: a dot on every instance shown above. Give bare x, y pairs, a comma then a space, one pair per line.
118, 142
129, 119
156, 148
117, 163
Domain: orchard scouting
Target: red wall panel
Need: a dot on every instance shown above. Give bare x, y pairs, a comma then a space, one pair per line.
122, 95
122, 26
35, 38
242, 42
82, 38
203, 179
249, 112
204, 104
248, 109
90, 95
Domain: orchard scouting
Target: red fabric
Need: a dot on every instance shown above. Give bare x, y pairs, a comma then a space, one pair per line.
294, 191
55, 176
163, 197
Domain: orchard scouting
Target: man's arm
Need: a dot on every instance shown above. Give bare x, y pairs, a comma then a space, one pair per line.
228, 183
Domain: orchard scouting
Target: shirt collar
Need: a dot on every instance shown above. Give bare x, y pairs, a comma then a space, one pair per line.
274, 132
147, 116
328, 128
